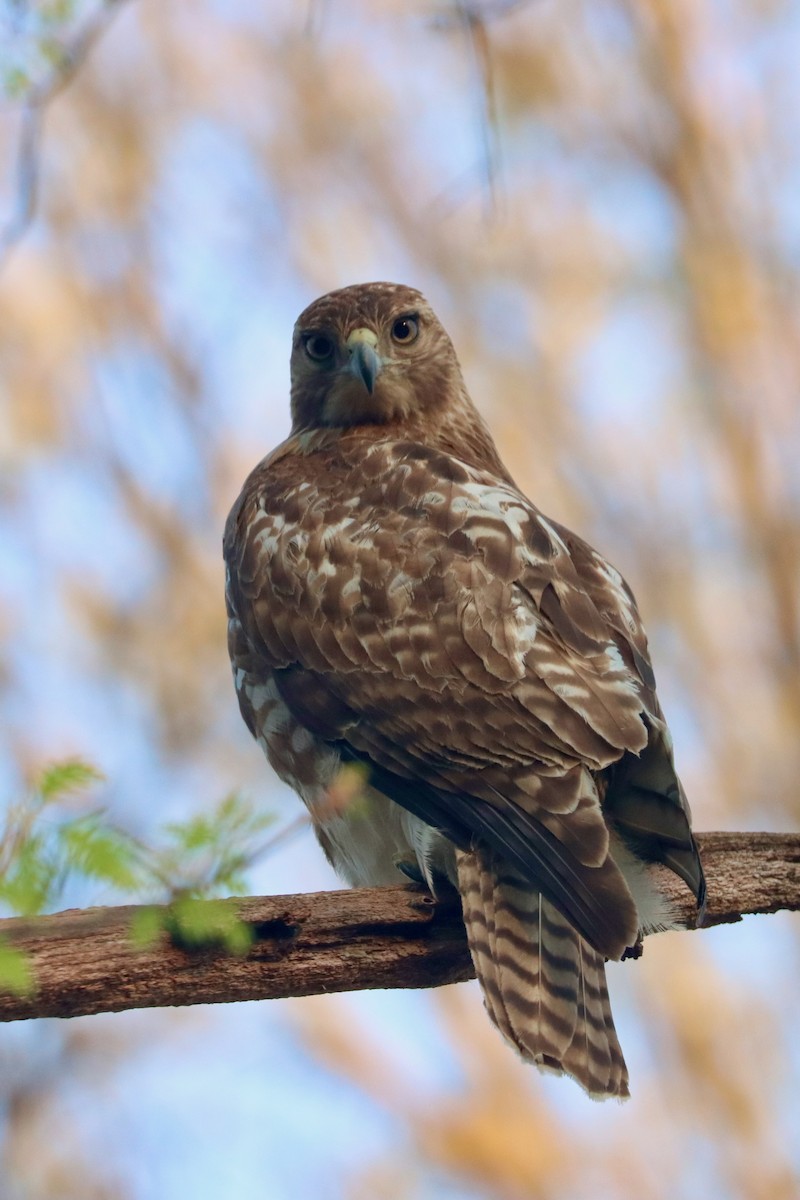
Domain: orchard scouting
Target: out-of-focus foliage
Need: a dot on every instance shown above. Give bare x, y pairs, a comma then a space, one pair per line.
32, 45
41, 843
192, 866
624, 299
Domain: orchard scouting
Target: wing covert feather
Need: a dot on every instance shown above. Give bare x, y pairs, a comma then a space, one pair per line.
423, 616
456, 585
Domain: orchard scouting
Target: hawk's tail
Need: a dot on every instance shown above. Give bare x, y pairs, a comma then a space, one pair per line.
543, 985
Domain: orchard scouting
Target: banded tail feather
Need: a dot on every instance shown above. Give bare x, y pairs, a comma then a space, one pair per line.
544, 986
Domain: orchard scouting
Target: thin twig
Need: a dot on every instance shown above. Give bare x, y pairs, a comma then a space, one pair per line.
474, 26
28, 154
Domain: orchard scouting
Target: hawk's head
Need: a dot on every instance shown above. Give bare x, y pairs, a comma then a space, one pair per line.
370, 354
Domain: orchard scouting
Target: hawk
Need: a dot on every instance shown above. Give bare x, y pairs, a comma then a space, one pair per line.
399, 611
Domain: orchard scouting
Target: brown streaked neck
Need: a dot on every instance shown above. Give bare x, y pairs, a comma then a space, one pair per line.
456, 429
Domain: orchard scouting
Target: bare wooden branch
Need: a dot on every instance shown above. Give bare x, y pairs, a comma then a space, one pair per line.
84, 960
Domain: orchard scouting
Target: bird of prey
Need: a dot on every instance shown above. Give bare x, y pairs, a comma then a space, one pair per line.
399, 610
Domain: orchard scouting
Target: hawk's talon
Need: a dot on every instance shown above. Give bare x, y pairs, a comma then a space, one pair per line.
634, 951
411, 870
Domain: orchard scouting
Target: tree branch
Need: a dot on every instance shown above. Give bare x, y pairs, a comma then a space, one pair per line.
84, 960
34, 107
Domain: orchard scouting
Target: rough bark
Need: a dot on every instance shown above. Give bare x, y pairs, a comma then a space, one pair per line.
84, 961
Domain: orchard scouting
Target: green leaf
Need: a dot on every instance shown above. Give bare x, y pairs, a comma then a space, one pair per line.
210, 853
43, 844
147, 924
16, 975
194, 834
61, 778
200, 924
56, 12
32, 881
52, 52
16, 82
99, 853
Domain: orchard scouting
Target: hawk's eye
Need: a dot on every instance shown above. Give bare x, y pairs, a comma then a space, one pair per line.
318, 346
405, 329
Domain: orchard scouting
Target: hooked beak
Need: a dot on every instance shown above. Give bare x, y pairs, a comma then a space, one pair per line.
365, 362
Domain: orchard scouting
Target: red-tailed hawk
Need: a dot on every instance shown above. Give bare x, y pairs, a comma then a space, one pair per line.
397, 603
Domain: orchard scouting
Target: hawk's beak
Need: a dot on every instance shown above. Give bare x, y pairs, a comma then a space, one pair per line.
365, 362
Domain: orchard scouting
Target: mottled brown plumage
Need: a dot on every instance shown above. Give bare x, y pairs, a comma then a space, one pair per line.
402, 618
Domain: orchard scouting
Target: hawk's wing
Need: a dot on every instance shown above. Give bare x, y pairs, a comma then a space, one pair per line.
424, 617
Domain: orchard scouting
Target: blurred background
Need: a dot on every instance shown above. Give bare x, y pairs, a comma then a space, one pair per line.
601, 199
